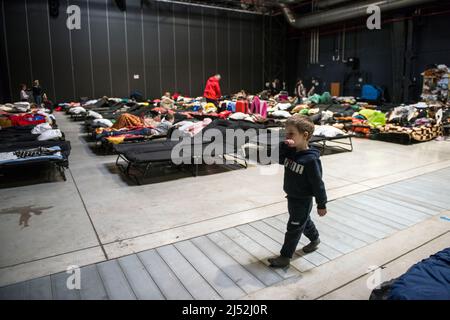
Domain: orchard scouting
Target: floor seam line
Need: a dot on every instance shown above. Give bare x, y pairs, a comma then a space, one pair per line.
48, 257
89, 217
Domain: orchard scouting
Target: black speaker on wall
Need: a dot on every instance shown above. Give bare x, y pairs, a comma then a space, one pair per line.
121, 4
53, 8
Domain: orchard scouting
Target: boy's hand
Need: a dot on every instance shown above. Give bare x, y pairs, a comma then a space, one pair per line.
289, 142
322, 212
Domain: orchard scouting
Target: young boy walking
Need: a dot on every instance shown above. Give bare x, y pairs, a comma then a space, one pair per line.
302, 182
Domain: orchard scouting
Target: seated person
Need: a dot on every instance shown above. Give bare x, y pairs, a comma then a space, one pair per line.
47, 103
166, 101
24, 93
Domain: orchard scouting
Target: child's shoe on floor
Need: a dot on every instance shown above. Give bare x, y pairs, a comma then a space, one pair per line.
312, 246
279, 262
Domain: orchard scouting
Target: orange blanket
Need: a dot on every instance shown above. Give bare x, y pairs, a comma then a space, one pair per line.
128, 120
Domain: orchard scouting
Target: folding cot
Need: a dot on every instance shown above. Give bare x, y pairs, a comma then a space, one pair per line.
344, 142
19, 134
35, 152
143, 156
107, 108
136, 110
101, 103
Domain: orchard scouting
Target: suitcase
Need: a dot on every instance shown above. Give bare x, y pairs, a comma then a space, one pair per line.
242, 106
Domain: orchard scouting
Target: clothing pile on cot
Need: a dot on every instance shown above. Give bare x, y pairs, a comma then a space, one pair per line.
113, 120
29, 134
117, 120
142, 156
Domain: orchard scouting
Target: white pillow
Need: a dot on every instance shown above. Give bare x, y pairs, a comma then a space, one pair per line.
283, 106
238, 116
94, 114
40, 128
6, 108
327, 131
105, 122
281, 113
50, 135
89, 102
77, 110
22, 106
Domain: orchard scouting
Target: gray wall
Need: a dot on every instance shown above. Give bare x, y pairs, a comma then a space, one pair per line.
172, 48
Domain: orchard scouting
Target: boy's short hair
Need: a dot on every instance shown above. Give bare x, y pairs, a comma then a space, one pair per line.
302, 123
169, 117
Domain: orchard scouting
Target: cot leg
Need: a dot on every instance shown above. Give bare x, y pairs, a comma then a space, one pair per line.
63, 174
147, 169
49, 172
127, 169
195, 169
195, 166
61, 171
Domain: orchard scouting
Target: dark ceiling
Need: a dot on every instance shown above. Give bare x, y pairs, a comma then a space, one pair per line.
261, 6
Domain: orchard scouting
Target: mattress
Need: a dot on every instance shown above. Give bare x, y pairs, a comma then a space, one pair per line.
28, 155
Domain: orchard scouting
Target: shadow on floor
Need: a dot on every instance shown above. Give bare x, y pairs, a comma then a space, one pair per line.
93, 147
169, 172
333, 150
106, 149
29, 174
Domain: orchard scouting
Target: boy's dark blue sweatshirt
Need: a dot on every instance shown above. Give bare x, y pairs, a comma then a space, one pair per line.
303, 174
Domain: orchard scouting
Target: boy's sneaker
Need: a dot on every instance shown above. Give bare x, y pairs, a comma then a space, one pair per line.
312, 246
279, 262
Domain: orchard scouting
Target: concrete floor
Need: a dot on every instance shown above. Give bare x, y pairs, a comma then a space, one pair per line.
97, 214
232, 263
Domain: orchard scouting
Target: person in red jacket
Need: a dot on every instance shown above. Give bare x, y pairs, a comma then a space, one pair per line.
212, 90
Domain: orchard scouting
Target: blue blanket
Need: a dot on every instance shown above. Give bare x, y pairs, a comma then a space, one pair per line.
426, 280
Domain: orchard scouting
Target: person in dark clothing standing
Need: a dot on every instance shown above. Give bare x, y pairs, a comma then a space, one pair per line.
275, 87
37, 92
302, 182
